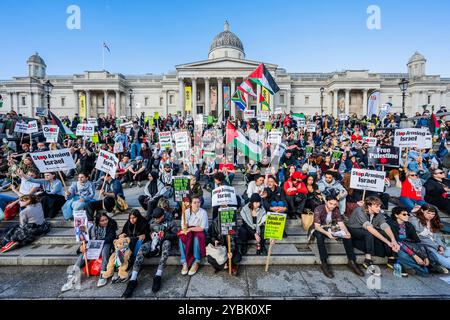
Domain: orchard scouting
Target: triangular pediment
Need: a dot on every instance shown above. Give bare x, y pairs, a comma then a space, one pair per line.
223, 64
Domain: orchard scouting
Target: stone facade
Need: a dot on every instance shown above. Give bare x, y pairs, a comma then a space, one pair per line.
226, 67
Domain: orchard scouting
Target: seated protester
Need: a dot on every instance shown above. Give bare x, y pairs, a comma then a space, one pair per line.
255, 186
412, 257
52, 199
26, 188
411, 193
252, 171
192, 238
417, 166
136, 172
286, 161
326, 165
219, 240
153, 191
219, 180
295, 191
327, 183
209, 172
254, 218
196, 190
310, 167
137, 229
273, 198
78, 196
166, 175
191, 168
86, 161
228, 170
314, 197
370, 232
112, 190
163, 232
146, 155
156, 156
122, 170
327, 221
105, 229
437, 190
32, 225
428, 226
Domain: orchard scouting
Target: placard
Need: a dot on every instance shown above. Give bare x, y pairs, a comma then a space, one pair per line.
311, 127
41, 112
53, 161
384, 155
92, 121
228, 221
224, 195
301, 123
51, 133
274, 227
274, 137
181, 187
165, 140
30, 127
309, 151
85, 130
249, 114
182, 141
336, 156
94, 249
80, 223
264, 115
107, 162
371, 141
367, 180
128, 126
343, 117
413, 138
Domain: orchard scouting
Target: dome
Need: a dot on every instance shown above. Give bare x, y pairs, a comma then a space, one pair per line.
226, 39
35, 58
417, 57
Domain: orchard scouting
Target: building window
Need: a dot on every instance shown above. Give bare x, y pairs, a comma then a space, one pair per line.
429, 99
146, 101
171, 99
24, 102
306, 100
390, 99
282, 99
161, 101
63, 102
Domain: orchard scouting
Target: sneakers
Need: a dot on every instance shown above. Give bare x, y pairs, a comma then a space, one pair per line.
367, 263
194, 269
390, 263
156, 284
9, 246
101, 282
130, 289
441, 269
70, 284
185, 270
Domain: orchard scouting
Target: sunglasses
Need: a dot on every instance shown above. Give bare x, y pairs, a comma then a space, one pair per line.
413, 175
439, 172
405, 214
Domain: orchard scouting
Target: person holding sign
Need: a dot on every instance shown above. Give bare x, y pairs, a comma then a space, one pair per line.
78, 196
254, 217
329, 223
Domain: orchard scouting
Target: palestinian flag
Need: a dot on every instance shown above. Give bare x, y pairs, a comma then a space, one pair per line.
1, 101
237, 139
263, 77
246, 87
298, 116
63, 129
264, 103
239, 99
434, 124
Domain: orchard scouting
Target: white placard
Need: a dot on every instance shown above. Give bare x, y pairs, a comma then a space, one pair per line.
274, 137
311, 127
80, 223
413, 138
343, 117
30, 127
85, 130
372, 142
94, 249
54, 160
249, 114
165, 140
182, 141
128, 126
92, 121
277, 110
107, 162
367, 180
301, 123
264, 115
199, 119
224, 195
50, 133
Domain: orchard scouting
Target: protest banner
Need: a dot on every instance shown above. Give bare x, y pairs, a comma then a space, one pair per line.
81, 226
309, 151
264, 115
277, 110
54, 160
228, 227
249, 114
384, 155
156, 115
181, 187
336, 156
128, 126
92, 121
199, 120
107, 162
367, 180
209, 154
209, 142
371, 141
182, 141
94, 249
27, 128
301, 123
51, 133
273, 230
413, 138
85, 130
224, 195
311, 127
343, 117
95, 138
165, 140
274, 137
41, 112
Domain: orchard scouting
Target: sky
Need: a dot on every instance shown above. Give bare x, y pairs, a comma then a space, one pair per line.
154, 36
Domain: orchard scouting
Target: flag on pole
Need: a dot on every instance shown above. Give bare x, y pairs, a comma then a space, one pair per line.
1, 101
434, 124
237, 139
239, 99
246, 87
106, 46
63, 129
263, 77
298, 116
264, 104
372, 104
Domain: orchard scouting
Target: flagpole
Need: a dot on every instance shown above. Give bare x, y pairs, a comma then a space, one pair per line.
103, 55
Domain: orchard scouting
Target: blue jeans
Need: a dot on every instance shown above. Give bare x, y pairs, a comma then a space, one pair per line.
137, 247
197, 254
410, 203
5, 199
135, 150
443, 259
72, 205
407, 261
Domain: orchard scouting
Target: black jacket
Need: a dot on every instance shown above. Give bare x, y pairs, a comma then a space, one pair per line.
434, 191
411, 234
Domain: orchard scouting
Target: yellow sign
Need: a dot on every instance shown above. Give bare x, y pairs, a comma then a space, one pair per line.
274, 228
83, 110
95, 138
156, 116
188, 98
266, 95
151, 121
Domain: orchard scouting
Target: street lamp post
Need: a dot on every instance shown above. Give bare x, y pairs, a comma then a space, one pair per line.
403, 88
131, 104
322, 89
48, 87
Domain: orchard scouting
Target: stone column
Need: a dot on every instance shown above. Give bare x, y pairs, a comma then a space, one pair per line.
105, 102
194, 97
30, 106
347, 101
11, 102
335, 103
233, 89
88, 103
119, 105
220, 111
441, 99
364, 108
207, 98
18, 101
77, 102
288, 101
166, 101
329, 103
181, 96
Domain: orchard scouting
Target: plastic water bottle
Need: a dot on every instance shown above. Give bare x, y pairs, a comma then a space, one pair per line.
397, 270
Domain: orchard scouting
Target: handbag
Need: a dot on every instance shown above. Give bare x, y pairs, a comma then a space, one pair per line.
94, 267
218, 253
121, 204
307, 219
11, 211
